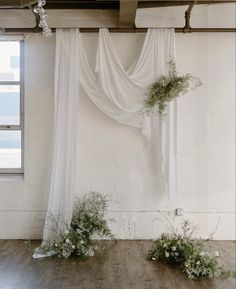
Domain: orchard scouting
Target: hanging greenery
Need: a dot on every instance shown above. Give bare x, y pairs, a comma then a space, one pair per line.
88, 221
167, 88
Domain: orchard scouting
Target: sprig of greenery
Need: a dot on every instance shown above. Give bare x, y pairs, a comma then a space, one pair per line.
167, 88
88, 221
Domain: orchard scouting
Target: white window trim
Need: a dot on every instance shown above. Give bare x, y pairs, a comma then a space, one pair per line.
20, 127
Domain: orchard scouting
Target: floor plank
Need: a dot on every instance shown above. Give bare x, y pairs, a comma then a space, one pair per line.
122, 266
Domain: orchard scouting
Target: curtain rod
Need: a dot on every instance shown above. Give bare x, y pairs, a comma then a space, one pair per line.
119, 30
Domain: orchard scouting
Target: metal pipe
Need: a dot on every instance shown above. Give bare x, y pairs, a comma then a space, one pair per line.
120, 30
187, 16
37, 17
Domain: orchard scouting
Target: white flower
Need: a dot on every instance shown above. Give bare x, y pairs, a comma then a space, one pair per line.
56, 245
67, 241
217, 254
73, 246
90, 252
153, 258
167, 254
173, 248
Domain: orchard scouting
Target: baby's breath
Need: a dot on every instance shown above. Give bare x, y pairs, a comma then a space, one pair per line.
188, 253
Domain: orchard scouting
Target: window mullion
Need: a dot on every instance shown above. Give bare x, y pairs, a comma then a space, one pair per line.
10, 127
10, 82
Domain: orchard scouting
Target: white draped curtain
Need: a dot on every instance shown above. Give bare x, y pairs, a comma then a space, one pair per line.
120, 94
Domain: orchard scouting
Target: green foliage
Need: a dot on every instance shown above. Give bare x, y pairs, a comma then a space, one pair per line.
188, 253
88, 221
168, 88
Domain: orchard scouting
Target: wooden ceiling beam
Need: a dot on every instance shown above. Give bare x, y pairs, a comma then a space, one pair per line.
169, 3
127, 13
16, 3
107, 4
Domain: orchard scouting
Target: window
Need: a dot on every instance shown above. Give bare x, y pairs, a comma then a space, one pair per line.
11, 106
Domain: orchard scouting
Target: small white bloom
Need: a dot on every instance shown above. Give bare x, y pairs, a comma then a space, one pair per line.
73, 246
173, 248
153, 258
217, 254
67, 241
167, 254
90, 252
56, 245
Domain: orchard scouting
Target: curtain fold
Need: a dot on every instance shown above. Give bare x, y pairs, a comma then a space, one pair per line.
120, 94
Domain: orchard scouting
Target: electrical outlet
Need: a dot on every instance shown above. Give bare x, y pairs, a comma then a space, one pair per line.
179, 212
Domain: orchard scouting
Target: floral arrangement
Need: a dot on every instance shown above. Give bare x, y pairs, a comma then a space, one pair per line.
167, 88
88, 221
188, 253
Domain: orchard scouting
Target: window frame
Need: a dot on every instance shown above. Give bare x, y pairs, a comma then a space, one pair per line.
20, 127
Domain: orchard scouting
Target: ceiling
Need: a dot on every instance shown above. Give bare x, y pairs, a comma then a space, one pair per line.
103, 4
126, 9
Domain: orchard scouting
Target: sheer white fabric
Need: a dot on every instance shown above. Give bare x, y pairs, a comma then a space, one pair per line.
67, 75
119, 94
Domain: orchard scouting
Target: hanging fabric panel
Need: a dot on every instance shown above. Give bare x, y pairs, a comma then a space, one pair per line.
67, 79
120, 94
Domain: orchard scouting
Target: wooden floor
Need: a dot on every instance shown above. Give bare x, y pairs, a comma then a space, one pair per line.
122, 266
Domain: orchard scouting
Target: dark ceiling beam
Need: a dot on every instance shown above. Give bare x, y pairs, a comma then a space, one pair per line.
70, 4
63, 4
108, 4
153, 4
127, 13
16, 3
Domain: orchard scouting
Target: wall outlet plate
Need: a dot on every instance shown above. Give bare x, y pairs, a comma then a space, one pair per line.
179, 212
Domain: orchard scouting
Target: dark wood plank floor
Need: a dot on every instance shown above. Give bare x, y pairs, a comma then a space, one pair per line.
122, 266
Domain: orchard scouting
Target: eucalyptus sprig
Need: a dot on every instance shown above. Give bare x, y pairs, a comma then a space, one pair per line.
167, 88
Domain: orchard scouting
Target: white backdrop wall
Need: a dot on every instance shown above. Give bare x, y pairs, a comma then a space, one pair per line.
114, 159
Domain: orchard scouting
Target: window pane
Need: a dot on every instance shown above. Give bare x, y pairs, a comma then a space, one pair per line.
9, 104
10, 149
9, 60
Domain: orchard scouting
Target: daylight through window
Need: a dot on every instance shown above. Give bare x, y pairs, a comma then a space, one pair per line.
11, 107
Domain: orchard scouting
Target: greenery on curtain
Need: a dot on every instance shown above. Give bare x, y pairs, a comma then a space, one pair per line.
167, 88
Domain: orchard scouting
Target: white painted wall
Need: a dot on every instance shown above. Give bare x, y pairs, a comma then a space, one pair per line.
114, 159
